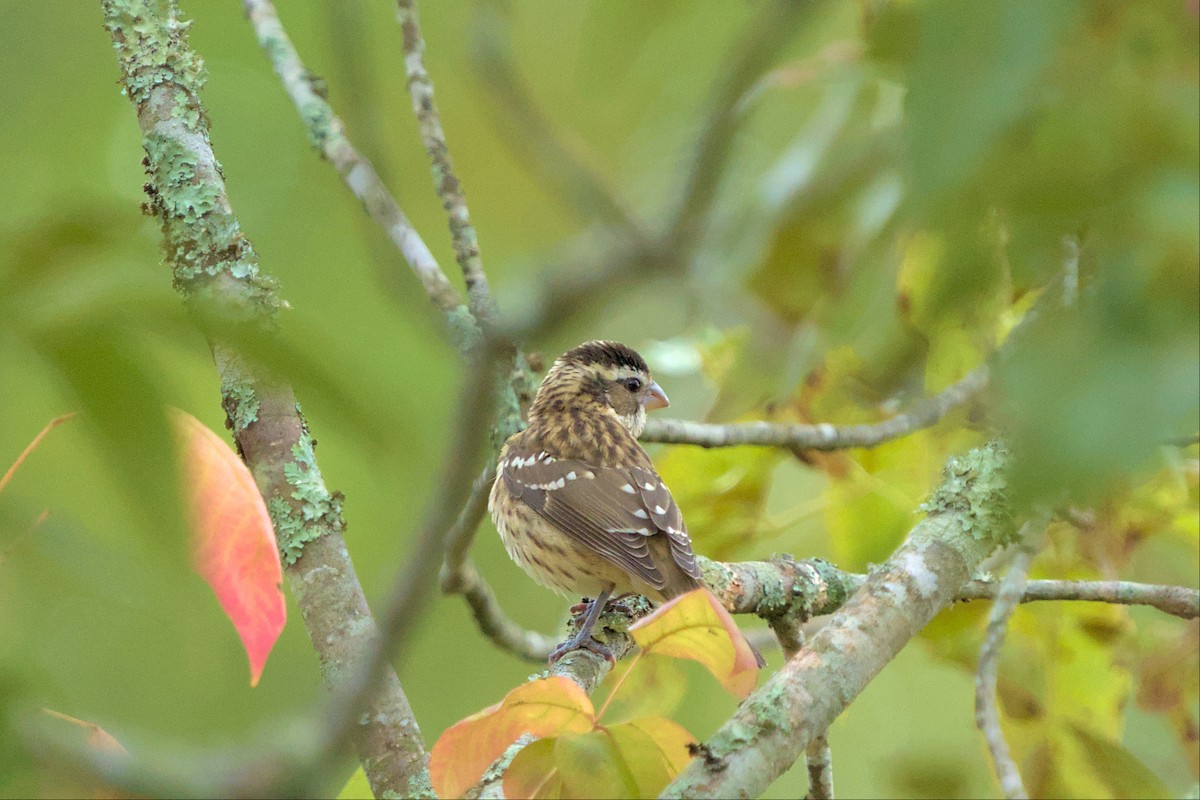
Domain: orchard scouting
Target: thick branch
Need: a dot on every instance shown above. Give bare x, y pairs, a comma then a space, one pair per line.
774, 725
216, 269
824, 436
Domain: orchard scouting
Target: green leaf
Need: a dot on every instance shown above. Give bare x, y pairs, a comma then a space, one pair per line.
1121, 771
357, 788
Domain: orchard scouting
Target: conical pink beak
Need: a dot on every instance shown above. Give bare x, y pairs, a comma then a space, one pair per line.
657, 398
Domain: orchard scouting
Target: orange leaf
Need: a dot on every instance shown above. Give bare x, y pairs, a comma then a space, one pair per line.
233, 541
696, 626
541, 708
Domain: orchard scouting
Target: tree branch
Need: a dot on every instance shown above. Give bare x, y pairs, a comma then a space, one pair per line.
327, 134
987, 715
216, 270
449, 190
1180, 601
967, 519
820, 768
824, 436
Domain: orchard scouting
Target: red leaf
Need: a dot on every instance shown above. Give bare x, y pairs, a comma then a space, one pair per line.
233, 541
541, 708
696, 626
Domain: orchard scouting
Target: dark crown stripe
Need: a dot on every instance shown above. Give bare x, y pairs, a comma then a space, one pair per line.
609, 354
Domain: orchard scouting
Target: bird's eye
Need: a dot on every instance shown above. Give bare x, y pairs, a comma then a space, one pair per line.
634, 385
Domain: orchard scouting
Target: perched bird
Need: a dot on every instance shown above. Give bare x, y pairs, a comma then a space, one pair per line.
577, 500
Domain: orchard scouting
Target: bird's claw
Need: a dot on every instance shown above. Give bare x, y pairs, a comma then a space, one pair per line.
587, 643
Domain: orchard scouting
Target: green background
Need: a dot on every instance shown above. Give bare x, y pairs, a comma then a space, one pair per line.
855, 239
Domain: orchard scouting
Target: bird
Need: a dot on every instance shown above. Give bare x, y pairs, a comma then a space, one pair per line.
578, 502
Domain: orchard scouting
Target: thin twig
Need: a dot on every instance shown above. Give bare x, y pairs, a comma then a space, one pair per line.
987, 713
818, 756
462, 533
29, 448
459, 576
495, 624
823, 436
462, 233
674, 247
820, 768
1180, 601
327, 134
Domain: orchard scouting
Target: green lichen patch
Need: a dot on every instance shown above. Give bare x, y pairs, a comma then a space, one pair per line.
240, 402
152, 48
178, 193
317, 511
974, 490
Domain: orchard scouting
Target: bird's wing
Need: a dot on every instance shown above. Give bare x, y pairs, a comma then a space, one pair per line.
611, 510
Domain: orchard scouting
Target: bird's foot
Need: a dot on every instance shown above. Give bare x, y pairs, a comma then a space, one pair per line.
581, 606
581, 643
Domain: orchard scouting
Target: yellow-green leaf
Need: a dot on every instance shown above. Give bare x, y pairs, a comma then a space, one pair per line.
697, 627
357, 788
534, 773
655, 749
654, 686
591, 766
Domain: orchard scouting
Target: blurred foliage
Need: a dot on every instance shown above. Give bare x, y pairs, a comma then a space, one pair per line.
909, 180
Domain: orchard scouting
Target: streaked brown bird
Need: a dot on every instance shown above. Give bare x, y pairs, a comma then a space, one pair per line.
577, 500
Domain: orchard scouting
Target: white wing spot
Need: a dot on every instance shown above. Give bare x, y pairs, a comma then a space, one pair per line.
642, 531
641, 514
659, 510
649, 487
628, 489
571, 475
560, 483
589, 474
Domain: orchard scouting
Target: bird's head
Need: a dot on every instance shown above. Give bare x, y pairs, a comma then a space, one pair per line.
600, 377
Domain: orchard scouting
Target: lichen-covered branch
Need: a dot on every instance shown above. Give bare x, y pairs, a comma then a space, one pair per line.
1180, 601
967, 518
818, 755
987, 714
327, 134
446, 183
820, 768
823, 436
216, 270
